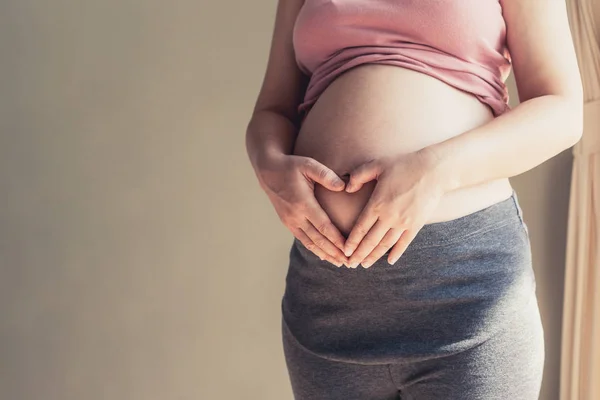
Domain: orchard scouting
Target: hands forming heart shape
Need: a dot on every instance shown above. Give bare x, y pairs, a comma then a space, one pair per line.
408, 189
407, 192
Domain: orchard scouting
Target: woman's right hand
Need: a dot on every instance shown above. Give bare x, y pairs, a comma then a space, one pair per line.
289, 182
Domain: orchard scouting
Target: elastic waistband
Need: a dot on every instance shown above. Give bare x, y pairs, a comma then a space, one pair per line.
441, 233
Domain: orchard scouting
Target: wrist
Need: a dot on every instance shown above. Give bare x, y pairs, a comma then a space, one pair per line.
440, 173
268, 163
268, 155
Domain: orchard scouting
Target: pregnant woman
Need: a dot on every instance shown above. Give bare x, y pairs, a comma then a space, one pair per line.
383, 138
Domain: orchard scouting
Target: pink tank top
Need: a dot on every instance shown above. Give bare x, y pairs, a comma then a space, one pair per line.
462, 43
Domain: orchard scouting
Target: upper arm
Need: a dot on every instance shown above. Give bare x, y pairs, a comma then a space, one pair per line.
283, 83
541, 48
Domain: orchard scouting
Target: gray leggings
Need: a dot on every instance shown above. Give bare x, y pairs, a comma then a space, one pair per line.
456, 317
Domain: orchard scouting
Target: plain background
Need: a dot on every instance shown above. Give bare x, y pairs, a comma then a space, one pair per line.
139, 259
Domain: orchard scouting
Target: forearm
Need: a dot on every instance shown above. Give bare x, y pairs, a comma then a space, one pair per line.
269, 133
515, 142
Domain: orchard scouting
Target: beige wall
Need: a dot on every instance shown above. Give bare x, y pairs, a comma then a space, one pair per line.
139, 259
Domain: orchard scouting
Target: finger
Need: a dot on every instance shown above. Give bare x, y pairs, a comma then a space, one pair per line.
368, 243
319, 173
362, 174
363, 224
390, 239
310, 245
322, 242
402, 244
320, 220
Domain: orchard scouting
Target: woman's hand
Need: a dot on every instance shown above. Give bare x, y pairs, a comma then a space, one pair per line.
289, 182
405, 196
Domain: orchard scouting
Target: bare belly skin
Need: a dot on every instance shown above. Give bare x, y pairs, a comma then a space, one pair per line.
378, 110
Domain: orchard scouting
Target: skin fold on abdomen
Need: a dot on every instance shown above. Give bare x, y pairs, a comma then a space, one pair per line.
376, 110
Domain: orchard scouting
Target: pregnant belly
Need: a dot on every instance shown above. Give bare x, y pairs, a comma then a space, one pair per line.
379, 110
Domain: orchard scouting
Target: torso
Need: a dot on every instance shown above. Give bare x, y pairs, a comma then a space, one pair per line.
377, 110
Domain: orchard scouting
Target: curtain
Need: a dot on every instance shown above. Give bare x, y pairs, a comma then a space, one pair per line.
580, 340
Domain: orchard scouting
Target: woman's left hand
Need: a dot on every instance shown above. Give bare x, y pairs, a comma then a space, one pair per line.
407, 193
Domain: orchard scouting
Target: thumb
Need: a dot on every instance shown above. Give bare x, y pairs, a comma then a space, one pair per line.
326, 177
362, 174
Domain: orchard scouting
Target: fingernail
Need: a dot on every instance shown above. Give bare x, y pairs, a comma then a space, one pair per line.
392, 261
347, 252
338, 263
353, 264
366, 264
